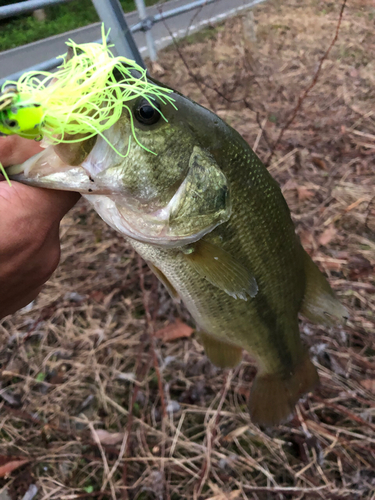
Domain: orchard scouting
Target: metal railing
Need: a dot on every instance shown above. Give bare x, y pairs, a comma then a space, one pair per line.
111, 14
109, 11
15, 9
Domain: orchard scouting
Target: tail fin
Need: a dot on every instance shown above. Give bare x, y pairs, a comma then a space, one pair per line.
273, 396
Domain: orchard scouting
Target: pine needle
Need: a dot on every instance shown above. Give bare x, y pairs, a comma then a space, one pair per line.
4, 173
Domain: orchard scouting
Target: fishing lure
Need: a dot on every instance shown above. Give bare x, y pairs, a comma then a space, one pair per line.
9, 121
19, 114
83, 98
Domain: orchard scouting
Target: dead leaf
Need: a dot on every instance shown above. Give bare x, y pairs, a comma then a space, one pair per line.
58, 378
157, 69
319, 162
109, 438
304, 193
327, 235
97, 295
9, 465
333, 265
368, 384
173, 331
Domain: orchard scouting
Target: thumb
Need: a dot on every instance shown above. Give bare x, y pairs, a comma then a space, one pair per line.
14, 149
37, 203
54, 204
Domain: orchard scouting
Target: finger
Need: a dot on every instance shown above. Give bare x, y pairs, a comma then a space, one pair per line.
57, 203
44, 204
10, 307
15, 149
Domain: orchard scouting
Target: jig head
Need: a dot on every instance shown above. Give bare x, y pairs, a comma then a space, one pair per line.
19, 114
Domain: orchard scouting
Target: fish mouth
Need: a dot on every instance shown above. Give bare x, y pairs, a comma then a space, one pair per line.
171, 224
139, 221
47, 170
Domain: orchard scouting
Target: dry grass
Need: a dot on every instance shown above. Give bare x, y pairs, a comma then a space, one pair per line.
84, 360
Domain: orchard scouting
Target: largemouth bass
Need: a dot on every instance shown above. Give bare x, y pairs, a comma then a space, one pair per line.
200, 207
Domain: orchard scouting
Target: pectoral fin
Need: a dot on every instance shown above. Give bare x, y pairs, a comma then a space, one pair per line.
220, 353
221, 269
168, 285
320, 304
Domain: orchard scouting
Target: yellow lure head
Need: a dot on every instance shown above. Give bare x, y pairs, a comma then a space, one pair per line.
20, 114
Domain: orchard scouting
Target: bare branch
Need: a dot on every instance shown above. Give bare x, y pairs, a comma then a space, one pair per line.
305, 93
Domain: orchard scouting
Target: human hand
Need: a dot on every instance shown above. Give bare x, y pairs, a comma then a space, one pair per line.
29, 230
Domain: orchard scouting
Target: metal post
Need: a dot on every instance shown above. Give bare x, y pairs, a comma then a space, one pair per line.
112, 15
147, 23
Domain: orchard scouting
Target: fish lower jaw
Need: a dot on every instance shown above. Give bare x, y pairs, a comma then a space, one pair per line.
47, 170
145, 228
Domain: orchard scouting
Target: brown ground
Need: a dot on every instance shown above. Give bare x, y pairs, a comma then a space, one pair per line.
83, 358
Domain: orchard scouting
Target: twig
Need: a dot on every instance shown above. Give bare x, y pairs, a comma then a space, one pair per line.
194, 77
107, 477
320, 491
141, 371
345, 411
199, 10
87, 495
211, 432
256, 143
124, 446
151, 332
204, 85
304, 94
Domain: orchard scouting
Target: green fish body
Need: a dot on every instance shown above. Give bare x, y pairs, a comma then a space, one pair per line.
214, 226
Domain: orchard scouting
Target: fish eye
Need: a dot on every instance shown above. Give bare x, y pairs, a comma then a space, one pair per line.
146, 113
11, 123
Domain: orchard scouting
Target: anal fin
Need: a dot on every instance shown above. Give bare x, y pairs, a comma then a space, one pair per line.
274, 396
320, 304
221, 354
221, 269
168, 285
